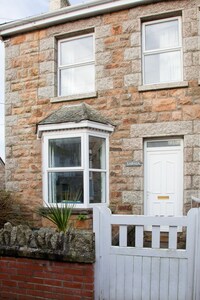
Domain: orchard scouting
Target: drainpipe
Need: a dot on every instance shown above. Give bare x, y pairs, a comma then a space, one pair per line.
57, 4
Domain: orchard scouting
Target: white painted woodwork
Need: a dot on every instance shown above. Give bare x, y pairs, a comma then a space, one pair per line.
123, 236
173, 237
163, 180
138, 273
156, 235
139, 236
84, 134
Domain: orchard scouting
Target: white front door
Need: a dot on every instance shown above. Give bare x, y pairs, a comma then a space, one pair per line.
164, 177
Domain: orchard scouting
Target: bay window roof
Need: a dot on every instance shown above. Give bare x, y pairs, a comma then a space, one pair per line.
75, 116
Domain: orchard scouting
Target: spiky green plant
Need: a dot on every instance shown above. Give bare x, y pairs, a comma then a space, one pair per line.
57, 214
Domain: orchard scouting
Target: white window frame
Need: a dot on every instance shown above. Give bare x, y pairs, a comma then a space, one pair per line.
70, 66
164, 50
84, 134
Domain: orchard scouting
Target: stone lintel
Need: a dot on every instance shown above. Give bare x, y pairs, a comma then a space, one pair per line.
161, 129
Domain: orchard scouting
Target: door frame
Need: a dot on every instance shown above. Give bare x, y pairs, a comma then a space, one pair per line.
180, 204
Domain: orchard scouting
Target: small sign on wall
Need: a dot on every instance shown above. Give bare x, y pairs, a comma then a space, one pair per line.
134, 164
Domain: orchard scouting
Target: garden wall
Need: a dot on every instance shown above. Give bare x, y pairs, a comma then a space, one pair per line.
45, 264
22, 278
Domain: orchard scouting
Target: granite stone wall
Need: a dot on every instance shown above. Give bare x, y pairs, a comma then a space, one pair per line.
139, 112
47, 243
2, 175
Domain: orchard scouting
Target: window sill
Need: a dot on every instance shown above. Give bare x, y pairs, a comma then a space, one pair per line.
74, 97
162, 86
82, 208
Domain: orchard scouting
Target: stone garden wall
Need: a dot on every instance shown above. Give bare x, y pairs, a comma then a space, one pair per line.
22, 241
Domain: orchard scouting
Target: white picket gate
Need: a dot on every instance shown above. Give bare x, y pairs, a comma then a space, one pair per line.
138, 273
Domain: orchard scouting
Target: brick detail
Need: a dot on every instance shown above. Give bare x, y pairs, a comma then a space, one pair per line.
26, 279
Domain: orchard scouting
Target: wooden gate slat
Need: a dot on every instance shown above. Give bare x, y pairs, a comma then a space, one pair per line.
173, 237
137, 278
146, 278
123, 236
121, 276
155, 237
129, 284
182, 282
155, 278
164, 278
173, 278
139, 236
112, 277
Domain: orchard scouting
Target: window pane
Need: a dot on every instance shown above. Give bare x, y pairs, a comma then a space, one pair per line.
77, 80
169, 143
97, 157
65, 187
161, 68
65, 152
76, 51
97, 187
162, 35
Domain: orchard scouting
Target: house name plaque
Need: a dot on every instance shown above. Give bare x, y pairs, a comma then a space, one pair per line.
133, 164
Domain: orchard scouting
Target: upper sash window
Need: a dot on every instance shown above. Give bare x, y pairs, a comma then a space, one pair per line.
76, 65
162, 51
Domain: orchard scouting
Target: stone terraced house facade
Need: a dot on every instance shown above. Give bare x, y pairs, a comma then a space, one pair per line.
2, 174
103, 106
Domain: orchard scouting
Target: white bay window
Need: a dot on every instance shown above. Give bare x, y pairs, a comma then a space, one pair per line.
75, 154
162, 51
75, 167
